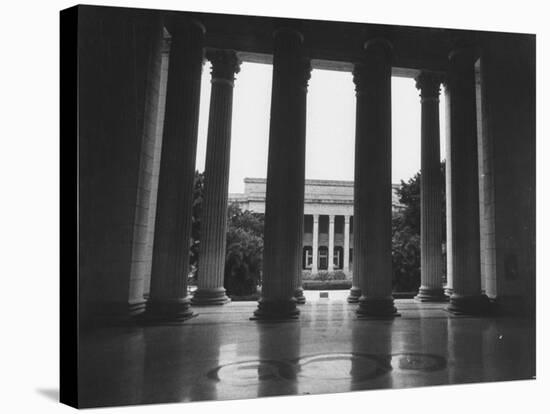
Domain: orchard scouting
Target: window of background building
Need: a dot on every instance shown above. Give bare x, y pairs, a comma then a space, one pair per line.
323, 257
339, 224
338, 257
308, 223
307, 257
323, 224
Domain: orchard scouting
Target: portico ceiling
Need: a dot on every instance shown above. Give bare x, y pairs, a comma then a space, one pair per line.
334, 45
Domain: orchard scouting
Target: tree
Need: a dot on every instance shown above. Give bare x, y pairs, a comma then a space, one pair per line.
198, 192
243, 259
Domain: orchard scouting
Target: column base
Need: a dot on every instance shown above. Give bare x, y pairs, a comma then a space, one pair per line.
469, 305
376, 307
210, 297
448, 291
354, 295
299, 296
275, 310
167, 310
426, 294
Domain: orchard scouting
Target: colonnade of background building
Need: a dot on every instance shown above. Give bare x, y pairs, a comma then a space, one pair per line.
137, 162
330, 252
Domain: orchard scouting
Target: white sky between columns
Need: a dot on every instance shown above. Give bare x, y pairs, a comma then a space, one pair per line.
330, 126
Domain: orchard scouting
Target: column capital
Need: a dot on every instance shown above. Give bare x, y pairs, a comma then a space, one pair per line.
379, 45
289, 42
304, 72
429, 84
288, 34
225, 64
464, 52
461, 66
378, 54
359, 71
331, 218
315, 217
347, 219
187, 39
179, 25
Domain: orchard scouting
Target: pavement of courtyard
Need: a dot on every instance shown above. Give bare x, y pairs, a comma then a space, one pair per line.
221, 354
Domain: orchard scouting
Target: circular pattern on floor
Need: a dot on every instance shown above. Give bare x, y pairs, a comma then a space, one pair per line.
245, 372
349, 366
342, 366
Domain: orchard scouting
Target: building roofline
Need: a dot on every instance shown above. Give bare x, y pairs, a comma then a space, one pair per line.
342, 183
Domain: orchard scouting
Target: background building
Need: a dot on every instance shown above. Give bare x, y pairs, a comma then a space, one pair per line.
328, 220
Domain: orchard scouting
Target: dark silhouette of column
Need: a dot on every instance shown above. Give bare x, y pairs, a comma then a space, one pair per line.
466, 297
448, 193
225, 65
284, 209
431, 257
168, 297
298, 289
346, 244
372, 262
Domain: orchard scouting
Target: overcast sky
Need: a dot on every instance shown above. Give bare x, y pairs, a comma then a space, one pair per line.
330, 129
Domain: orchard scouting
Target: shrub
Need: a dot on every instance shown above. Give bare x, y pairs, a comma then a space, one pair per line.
339, 275
306, 275
323, 275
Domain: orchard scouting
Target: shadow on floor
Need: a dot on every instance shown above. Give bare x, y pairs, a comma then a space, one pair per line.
49, 393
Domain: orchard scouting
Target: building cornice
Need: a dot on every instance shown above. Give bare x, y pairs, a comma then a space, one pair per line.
327, 183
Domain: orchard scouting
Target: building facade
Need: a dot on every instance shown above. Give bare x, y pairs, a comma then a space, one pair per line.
327, 241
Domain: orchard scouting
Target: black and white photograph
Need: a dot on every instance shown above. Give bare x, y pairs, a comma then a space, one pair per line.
257, 203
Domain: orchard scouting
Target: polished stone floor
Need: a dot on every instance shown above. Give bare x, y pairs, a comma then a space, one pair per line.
220, 354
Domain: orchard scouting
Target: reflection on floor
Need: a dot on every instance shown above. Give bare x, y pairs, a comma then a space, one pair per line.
222, 355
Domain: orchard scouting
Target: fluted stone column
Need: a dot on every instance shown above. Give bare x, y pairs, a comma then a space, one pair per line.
284, 208
372, 263
346, 244
298, 289
315, 244
431, 257
330, 243
448, 194
355, 291
466, 297
225, 65
168, 297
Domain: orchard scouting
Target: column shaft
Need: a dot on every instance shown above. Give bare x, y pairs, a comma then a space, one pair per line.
285, 178
466, 297
330, 243
431, 258
355, 291
315, 244
216, 180
372, 191
298, 289
448, 195
168, 297
346, 244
